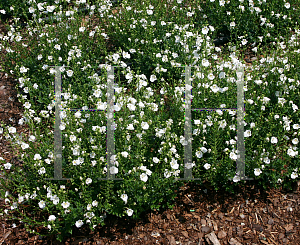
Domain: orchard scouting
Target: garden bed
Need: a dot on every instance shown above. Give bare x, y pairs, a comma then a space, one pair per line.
250, 216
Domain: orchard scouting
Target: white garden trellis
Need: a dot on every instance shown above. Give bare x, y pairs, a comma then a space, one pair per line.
240, 174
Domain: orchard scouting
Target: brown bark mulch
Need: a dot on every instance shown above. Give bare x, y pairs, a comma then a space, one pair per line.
200, 216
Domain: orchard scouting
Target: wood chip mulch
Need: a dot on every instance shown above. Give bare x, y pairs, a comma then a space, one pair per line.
200, 216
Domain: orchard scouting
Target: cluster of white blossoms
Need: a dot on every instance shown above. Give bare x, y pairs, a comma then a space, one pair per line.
211, 77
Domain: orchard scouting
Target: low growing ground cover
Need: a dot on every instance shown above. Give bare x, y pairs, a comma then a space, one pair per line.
149, 103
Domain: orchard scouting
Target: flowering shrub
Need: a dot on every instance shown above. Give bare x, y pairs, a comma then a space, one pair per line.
149, 132
256, 20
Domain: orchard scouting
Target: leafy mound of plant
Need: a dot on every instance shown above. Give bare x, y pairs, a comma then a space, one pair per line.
148, 44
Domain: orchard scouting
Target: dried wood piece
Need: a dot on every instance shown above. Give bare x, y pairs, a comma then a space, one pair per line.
212, 239
5, 236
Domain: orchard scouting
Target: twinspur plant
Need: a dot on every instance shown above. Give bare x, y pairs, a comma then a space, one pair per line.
148, 46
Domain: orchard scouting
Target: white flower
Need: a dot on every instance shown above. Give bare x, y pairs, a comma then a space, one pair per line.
266, 160
167, 173
131, 107
72, 138
23, 69
281, 101
148, 172
88, 181
287, 5
274, 140
236, 178
89, 206
296, 126
197, 122
144, 177
205, 62
153, 78
57, 46
69, 73
42, 171
27, 105
244, 41
207, 166
89, 215
37, 157
214, 88
12, 130
97, 93
130, 127
42, 204
94, 203
65, 204
291, 153
113, 170
174, 164
265, 100
223, 123
81, 29
233, 156
203, 149
232, 24
18, 38
124, 197
14, 206
222, 74
55, 199
294, 175
257, 171
145, 125
77, 114
250, 101
295, 141
116, 57
258, 82
247, 133
205, 30
190, 14
7, 165
199, 154
92, 33
50, 8
295, 107
222, 2
24, 146
79, 223
210, 76
149, 12
124, 154
155, 159
126, 55
51, 218
129, 212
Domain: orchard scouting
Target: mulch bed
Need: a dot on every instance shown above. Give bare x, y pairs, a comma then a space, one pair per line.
200, 216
